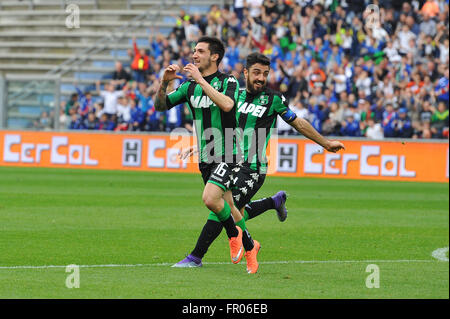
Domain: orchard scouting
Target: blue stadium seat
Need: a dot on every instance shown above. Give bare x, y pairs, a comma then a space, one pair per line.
19, 122
88, 75
196, 9
103, 64
140, 42
30, 110
121, 53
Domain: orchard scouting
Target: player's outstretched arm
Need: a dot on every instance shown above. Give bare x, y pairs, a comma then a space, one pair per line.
188, 152
221, 100
303, 127
170, 73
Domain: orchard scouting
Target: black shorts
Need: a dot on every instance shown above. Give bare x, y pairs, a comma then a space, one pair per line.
246, 184
219, 174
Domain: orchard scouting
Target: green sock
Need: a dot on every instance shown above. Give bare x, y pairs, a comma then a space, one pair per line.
213, 216
246, 216
241, 224
225, 213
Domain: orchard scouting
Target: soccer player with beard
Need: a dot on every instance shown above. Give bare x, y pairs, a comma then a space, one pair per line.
211, 97
257, 109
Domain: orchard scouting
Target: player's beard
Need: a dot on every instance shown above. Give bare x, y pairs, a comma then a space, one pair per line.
202, 68
251, 87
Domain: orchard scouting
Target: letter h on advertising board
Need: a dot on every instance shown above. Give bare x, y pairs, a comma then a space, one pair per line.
287, 158
131, 153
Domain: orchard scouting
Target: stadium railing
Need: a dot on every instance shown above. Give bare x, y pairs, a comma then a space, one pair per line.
45, 98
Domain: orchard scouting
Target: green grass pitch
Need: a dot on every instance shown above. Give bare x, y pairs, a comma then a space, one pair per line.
142, 222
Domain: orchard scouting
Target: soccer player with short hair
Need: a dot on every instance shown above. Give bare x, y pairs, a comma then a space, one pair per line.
257, 109
211, 97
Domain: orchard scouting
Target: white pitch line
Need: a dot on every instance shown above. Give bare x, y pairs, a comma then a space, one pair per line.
229, 263
440, 254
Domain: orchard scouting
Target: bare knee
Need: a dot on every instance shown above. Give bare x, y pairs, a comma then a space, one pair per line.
211, 202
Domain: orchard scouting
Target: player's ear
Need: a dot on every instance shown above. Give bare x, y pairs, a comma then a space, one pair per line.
215, 57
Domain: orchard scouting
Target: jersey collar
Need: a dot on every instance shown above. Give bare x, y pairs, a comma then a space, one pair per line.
211, 76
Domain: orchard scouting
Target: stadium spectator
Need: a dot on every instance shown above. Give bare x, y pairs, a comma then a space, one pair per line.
120, 76
316, 75
187, 119
137, 117
404, 37
403, 126
442, 87
75, 121
374, 130
430, 8
350, 127
91, 122
174, 118
104, 123
191, 31
110, 97
140, 63
255, 7
45, 122
428, 25
123, 111
389, 121
72, 102
239, 8
440, 121
85, 103
63, 117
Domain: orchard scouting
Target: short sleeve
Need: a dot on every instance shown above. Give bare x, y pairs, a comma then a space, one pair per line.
281, 108
231, 88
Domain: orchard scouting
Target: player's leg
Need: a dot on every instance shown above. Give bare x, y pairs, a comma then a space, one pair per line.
213, 200
277, 202
247, 240
210, 231
213, 226
246, 185
249, 182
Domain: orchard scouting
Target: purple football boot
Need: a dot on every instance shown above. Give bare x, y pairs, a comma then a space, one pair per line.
280, 205
189, 262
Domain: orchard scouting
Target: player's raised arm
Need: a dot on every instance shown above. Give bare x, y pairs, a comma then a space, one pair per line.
305, 128
170, 73
224, 102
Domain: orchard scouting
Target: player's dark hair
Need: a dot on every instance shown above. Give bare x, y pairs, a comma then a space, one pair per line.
256, 57
215, 46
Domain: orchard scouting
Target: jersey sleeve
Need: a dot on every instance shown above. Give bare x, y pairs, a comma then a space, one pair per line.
231, 88
177, 96
281, 108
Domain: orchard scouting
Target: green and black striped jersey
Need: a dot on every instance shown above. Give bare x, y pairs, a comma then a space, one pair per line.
256, 116
210, 122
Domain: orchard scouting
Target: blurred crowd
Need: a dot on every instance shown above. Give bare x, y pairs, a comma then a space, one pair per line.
351, 70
